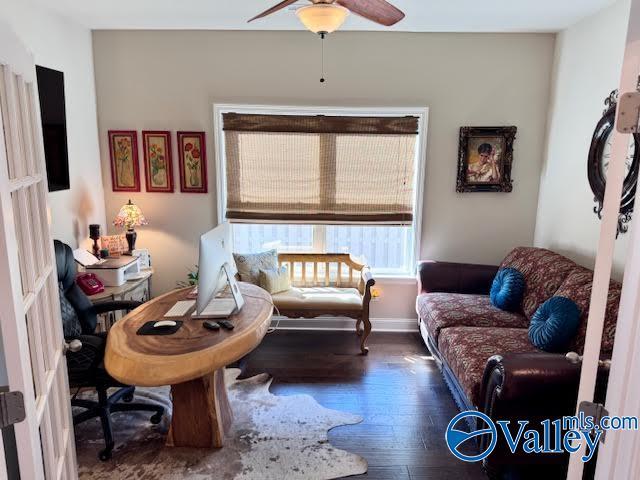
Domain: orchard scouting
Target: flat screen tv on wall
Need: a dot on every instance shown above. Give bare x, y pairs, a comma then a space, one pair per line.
54, 127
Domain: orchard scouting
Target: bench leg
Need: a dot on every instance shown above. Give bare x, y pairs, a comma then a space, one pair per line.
367, 330
358, 324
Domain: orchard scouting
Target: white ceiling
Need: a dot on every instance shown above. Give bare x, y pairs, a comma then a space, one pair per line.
422, 15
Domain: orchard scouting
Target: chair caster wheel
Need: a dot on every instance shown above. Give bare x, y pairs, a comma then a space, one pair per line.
105, 455
156, 418
128, 398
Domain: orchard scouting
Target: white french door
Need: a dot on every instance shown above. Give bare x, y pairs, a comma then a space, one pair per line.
619, 456
29, 304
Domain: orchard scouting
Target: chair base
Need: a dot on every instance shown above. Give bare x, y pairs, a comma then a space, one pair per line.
105, 406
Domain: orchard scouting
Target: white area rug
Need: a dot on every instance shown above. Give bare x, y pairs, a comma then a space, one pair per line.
272, 438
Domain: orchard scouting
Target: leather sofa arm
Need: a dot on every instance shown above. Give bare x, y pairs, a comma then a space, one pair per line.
455, 277
532, 387
546, 382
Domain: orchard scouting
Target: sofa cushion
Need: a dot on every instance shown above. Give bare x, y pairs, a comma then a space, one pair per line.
544, 271
507, 289
319, 298
577, 287
443, 310
467, 349
554, 325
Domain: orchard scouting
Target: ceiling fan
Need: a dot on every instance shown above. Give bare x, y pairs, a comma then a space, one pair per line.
326, 16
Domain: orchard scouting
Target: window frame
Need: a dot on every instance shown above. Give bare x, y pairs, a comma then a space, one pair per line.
422, 113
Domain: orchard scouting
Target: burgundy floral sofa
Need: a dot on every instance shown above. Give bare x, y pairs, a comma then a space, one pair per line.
485, 354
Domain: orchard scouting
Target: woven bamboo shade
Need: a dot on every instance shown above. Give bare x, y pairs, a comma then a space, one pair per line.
318, 169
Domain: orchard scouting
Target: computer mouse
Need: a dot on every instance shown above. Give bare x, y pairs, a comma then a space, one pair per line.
164, 324
211, 325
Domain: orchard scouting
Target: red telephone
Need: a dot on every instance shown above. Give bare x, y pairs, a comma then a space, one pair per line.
89, 283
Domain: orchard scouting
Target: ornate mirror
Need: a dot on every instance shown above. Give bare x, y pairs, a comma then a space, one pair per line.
598, 164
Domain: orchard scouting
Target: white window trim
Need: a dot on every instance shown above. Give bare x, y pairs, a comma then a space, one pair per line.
422, 113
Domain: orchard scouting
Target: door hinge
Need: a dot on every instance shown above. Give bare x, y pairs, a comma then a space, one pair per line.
11, 408
629, 113
596, 411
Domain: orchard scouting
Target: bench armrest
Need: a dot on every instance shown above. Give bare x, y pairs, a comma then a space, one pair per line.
367, 281
455, 277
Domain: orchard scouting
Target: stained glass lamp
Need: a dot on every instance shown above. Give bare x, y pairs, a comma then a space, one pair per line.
129, 217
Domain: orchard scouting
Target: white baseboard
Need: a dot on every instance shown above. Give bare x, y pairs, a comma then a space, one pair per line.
342, 323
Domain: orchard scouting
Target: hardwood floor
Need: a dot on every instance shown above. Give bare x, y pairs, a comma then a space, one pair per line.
397, 388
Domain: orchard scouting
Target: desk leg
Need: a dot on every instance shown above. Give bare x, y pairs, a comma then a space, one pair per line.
201, 412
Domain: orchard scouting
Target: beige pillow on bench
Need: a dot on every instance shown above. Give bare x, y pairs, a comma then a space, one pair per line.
249, 264
274, 280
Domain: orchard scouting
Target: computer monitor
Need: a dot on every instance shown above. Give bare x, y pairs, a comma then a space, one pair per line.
215, 252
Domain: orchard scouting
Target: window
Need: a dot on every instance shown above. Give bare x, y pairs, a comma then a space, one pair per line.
253, 238
323, 180
386, 248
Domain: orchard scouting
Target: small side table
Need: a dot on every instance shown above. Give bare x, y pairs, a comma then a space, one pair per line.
138, 289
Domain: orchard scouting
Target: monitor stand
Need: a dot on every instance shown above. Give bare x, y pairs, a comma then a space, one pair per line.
223, 307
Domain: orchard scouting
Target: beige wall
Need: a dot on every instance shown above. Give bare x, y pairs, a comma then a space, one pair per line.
59, 44
171, 79
587, 67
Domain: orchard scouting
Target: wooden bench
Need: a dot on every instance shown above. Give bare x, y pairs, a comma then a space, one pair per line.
327, 284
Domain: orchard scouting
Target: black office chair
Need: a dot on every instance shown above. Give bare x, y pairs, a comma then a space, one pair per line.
85, 352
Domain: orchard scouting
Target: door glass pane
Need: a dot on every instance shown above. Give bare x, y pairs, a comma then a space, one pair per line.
34, 219
20, 241
20, 161
36, 346
4, 110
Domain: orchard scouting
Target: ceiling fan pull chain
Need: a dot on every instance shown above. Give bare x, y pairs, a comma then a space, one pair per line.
322, 36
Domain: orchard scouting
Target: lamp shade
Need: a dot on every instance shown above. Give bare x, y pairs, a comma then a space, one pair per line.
322, 17
130, 216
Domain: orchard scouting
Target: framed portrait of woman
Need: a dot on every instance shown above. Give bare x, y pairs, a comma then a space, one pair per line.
485, 159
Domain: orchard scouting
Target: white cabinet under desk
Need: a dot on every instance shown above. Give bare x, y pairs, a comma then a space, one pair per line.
138, 289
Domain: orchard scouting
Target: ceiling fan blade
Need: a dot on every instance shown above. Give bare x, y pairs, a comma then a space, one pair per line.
274, 9
378, 11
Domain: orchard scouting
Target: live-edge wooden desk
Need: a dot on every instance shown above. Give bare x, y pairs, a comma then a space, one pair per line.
192, 361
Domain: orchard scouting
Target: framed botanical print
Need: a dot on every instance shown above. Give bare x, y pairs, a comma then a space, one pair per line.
158, 170
485, 158
123, 150
193, 162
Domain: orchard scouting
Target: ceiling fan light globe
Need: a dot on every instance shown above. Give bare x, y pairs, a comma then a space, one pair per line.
322, 17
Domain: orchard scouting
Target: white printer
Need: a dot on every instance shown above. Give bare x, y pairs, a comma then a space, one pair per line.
112, 272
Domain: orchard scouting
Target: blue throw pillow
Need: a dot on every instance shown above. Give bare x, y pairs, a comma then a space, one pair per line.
554, 324
507, 289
